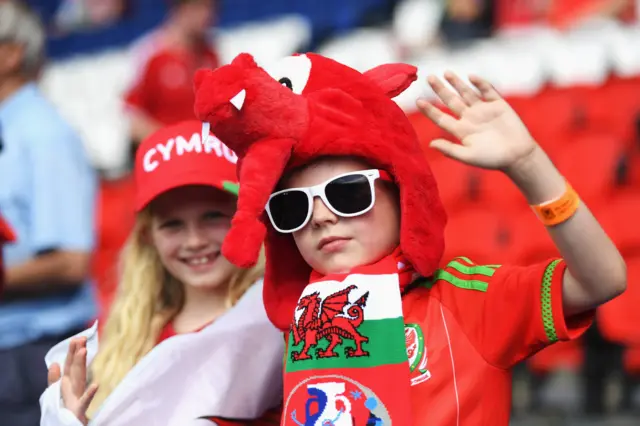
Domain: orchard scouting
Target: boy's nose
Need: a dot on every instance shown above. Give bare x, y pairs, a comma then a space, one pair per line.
321, 214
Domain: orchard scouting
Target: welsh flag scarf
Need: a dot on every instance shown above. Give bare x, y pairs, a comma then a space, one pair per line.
346, 362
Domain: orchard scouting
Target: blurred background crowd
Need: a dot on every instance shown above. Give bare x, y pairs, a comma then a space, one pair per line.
116, 70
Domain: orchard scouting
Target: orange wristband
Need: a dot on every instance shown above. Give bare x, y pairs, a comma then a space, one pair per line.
559, 210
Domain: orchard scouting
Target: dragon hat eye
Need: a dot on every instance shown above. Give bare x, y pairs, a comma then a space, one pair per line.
292, 72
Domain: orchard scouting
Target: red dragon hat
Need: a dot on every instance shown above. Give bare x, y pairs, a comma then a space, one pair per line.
305, 107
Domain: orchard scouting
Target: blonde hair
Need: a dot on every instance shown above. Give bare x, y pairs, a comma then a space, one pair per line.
148, 298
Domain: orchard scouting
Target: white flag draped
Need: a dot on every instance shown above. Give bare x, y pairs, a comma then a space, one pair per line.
232, 368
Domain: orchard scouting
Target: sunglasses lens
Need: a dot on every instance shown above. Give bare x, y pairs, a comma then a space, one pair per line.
349, 194
289, 209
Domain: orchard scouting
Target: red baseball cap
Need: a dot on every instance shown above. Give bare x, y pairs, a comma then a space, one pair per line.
176, 156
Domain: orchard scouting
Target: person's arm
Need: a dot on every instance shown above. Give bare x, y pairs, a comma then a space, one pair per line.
58, 267
60, 213
596, 271
493, 137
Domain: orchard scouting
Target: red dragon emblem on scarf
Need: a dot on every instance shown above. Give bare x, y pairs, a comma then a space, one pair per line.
321, 320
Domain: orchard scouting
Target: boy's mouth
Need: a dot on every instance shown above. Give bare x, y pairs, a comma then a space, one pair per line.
332, 243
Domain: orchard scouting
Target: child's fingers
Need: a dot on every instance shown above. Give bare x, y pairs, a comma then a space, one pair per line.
71, 353
466, 92
53, 375
450, 149
486, 89
439, 118
79, 372
66, 391
448, 97
87, 397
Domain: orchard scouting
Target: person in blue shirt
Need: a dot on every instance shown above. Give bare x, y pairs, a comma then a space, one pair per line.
47, 196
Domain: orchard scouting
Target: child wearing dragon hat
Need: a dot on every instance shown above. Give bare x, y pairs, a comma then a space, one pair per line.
378, 333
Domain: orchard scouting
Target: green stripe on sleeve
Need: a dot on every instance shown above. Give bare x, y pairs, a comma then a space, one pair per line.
472, 270
547, 312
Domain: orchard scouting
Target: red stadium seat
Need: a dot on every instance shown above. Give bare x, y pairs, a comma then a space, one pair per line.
560, 356
478, 234
495, 189
588, 161
618, 319
530, 240
454, 182
618, 216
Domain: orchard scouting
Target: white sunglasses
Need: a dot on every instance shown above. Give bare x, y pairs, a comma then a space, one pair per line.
346, 195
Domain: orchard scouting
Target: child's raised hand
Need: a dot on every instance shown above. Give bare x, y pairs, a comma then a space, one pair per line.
492, 135
76, 396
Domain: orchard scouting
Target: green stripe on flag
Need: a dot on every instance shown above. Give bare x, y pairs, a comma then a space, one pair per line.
460, 283
385, 346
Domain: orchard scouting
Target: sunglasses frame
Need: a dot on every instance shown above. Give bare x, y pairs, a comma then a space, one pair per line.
319, 191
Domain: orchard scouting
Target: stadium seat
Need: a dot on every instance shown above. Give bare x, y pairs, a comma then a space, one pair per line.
477, 233
560, 356
618, 215
495, 189
530, 242
455, 182
588, 160
618, 319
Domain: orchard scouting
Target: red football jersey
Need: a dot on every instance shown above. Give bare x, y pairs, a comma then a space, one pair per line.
168, 331
468, 327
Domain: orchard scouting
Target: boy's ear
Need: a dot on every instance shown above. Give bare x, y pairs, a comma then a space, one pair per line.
393, 79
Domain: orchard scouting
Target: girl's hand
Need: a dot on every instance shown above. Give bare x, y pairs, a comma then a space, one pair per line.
76, 396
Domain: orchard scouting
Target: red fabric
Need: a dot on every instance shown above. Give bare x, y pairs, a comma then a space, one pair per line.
561, 356
331, 110
115, 219
164, 88
6, 236
168, 331
632, 360
177, 156
568, 12
473, 338
515, 13
560, 13
271, 417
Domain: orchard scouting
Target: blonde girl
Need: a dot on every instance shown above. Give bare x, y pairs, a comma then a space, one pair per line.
175, 282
